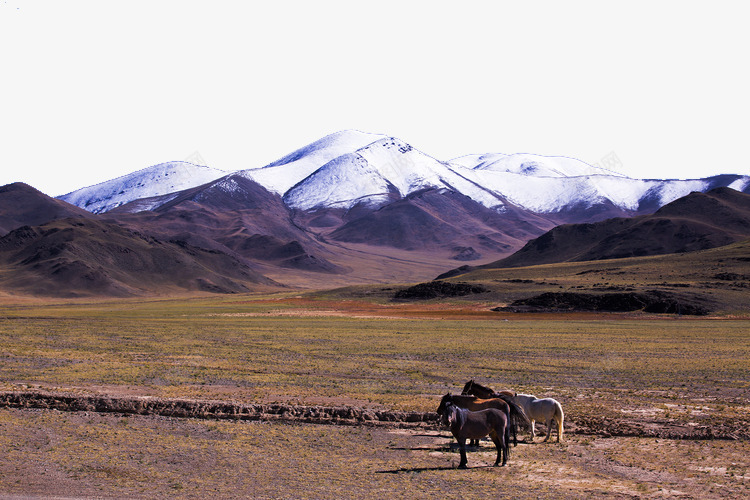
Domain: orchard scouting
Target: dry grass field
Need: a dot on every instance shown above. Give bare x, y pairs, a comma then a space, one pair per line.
615, 374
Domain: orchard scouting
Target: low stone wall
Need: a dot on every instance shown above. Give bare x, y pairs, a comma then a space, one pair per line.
344, 415
218, 410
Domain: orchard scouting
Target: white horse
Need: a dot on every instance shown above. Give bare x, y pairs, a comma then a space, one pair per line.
544, 410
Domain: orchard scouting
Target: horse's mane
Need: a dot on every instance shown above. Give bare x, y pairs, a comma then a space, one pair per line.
456, 415
480, 386
490, 392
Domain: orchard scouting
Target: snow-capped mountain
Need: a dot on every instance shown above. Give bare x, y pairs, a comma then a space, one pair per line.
157, 180
351, 168
384, 170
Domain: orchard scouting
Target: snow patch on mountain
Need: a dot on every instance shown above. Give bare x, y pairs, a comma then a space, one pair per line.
670, 190
157, 180
229, 185
740, 184
531, 165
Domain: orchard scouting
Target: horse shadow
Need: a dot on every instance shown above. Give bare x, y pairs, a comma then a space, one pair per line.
409, 470
445, 448
406, 470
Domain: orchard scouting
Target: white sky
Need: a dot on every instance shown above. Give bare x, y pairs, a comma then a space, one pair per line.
93, 90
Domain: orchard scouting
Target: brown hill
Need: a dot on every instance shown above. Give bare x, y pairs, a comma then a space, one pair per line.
695, 222
713, 281
22, 205
82, 257
234, 215
439, 221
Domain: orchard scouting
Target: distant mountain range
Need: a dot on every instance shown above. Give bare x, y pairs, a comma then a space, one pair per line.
354, 169
350, 208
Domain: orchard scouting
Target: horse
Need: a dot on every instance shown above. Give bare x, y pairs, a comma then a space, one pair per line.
475, 404
465, 424
481, 391
517, 416
544, 410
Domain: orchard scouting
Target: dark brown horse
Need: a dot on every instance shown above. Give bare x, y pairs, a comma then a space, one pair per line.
473, 403
465, 424
516, 416
485, 392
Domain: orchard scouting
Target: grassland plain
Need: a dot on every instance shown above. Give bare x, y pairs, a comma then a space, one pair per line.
306, 350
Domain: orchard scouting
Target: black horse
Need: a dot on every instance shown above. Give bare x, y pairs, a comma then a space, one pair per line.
465, 424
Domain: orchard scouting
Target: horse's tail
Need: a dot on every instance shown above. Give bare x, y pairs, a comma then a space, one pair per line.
516, 411
559, 417
517, 418
506, 441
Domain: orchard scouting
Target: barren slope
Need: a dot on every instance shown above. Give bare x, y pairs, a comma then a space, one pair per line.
80, 257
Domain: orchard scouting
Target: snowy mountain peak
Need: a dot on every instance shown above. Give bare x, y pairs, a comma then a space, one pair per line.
384, 170
290, 170
157, 180
330, 146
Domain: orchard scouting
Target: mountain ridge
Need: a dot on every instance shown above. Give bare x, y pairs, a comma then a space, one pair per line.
697, 221
354, 167
157, 180
78, 257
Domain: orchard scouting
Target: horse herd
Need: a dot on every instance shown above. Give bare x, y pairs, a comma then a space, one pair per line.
479, 411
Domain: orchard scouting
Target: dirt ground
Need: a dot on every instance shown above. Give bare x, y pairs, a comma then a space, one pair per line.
49, 453
283, 398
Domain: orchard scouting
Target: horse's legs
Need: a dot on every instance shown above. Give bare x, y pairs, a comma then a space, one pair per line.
502, 448
507, 429
533, 433
510, 427
549, 423
506, 449
506, 445
462, 450
491, 436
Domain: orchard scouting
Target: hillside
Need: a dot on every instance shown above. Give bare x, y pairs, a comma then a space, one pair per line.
82, 257
695, 222
22, 205
234, 215
713, 281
